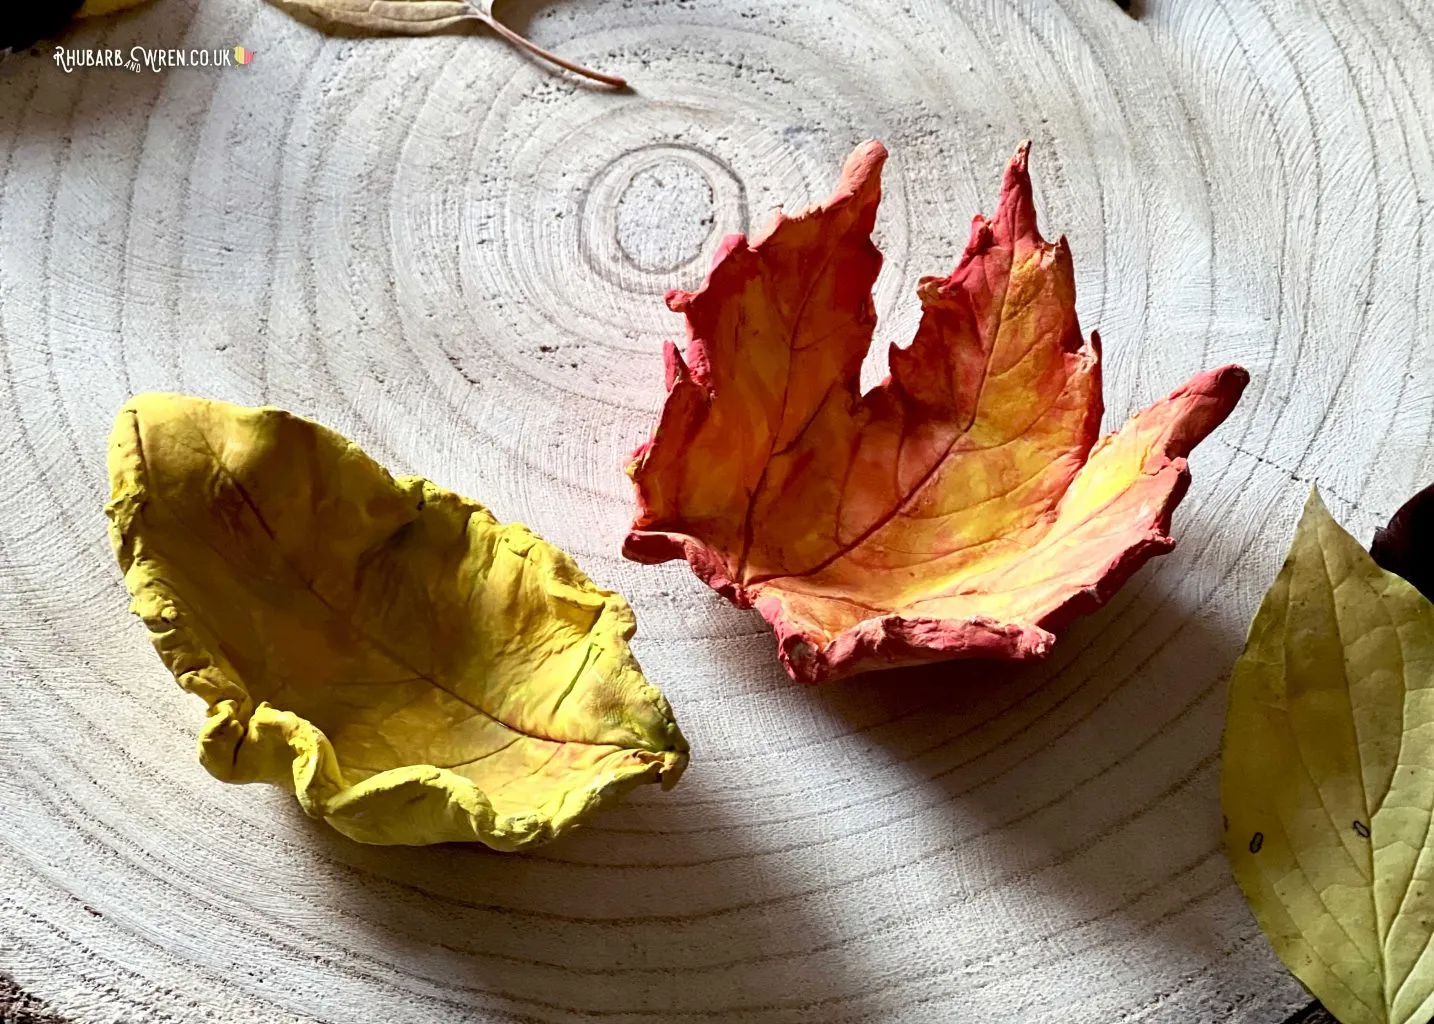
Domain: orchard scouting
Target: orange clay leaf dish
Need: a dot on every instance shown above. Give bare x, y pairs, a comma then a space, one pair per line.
410, 669
966, 506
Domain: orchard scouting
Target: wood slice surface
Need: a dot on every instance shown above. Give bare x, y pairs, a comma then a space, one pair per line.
457, 257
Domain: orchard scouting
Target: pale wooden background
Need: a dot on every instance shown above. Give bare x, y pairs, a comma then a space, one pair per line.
457, 257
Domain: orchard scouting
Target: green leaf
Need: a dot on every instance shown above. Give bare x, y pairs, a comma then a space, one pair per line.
413, 671
1328, 779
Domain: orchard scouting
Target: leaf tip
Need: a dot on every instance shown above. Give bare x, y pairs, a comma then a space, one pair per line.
861, 176
674, 764
674, 368
871, 152
1015, 218
1314, 504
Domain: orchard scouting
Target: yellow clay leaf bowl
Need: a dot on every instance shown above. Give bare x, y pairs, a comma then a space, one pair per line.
412, 670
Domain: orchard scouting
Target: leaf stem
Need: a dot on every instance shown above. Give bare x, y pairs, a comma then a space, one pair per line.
562, 62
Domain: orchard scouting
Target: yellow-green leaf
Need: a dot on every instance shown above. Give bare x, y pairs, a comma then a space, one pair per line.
412, 670
1328, 780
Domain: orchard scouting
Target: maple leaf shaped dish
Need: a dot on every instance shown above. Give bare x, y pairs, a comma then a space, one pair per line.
412, 670
966, 506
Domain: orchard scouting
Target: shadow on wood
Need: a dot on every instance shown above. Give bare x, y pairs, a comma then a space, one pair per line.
637, 922
1077, 796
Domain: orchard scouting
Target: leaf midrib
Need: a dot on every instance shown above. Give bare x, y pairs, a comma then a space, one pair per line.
354, 628
905, 500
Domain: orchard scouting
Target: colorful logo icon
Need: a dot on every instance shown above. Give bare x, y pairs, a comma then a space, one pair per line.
243, 56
